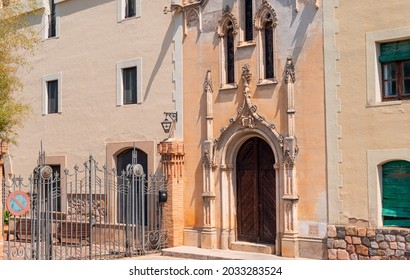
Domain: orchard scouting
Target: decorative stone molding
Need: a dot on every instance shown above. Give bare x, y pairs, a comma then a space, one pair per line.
290, 76
297, 6
208, 154
265, 14
246, 76
247, 116
222, 25
192, 19
290, 151
226, 167
209, 90
172, 158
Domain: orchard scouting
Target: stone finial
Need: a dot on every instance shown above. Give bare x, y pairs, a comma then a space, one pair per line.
246, 74
290, 71
208, 85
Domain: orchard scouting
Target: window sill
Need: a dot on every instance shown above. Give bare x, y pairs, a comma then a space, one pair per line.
52, 38
385, 103
127, 105
52, 114
265, 82
228, 87
127, 19
246, 44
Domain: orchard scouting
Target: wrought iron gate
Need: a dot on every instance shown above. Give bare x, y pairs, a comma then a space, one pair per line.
91, 213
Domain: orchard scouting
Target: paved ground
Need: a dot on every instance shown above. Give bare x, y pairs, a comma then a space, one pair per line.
187, 252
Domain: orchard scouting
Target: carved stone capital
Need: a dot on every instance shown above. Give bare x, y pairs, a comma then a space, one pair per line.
291, 197
208, 196
171, 148
208, 154
226, 167
290, 151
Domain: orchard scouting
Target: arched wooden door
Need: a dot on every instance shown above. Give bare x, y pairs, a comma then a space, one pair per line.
256, 192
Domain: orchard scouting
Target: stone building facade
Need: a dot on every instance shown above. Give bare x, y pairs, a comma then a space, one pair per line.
254, 126
286, 136
99, 84
367, 124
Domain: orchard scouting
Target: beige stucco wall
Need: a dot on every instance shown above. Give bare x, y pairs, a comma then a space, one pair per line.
91, 43
298, 34
372, 131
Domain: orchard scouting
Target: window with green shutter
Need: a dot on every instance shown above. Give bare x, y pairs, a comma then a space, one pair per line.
395, 60
396, 193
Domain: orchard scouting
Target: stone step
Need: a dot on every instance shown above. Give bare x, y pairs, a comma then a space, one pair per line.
188, 252
253, 247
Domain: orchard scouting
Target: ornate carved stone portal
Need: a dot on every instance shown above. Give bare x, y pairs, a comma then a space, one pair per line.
218, 161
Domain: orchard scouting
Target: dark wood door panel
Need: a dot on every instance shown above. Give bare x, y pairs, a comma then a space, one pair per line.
247, 206
256, 192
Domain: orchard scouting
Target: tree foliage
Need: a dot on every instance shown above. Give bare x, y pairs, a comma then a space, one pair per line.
17, 41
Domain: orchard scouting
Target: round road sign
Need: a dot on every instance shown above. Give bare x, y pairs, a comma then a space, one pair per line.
18, 203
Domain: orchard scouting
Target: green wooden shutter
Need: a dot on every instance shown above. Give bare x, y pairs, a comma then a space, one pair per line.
394, 51
396, 193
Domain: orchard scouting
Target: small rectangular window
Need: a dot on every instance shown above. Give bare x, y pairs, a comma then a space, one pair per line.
130, 8
52, 30
395, 61
129, 76
52, 96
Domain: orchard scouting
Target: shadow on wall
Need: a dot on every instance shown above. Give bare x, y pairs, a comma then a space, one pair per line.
80, 6
166, 43
306, 18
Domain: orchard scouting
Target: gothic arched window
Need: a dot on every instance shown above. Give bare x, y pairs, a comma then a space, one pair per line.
230, 55
248, 20
226, 31
268, 53
265, 24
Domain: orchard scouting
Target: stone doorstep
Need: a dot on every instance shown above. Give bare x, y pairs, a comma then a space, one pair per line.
253, 247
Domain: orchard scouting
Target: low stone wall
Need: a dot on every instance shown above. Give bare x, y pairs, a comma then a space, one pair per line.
79, 210
359, 243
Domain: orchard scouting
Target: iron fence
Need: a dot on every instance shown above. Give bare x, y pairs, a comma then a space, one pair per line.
91, 213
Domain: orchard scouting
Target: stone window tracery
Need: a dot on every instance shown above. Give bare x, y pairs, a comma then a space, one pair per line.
226, 30
265, 24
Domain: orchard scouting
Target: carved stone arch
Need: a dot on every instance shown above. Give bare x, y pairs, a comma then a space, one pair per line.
265, 14
246, 124
223, 23
227, 147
